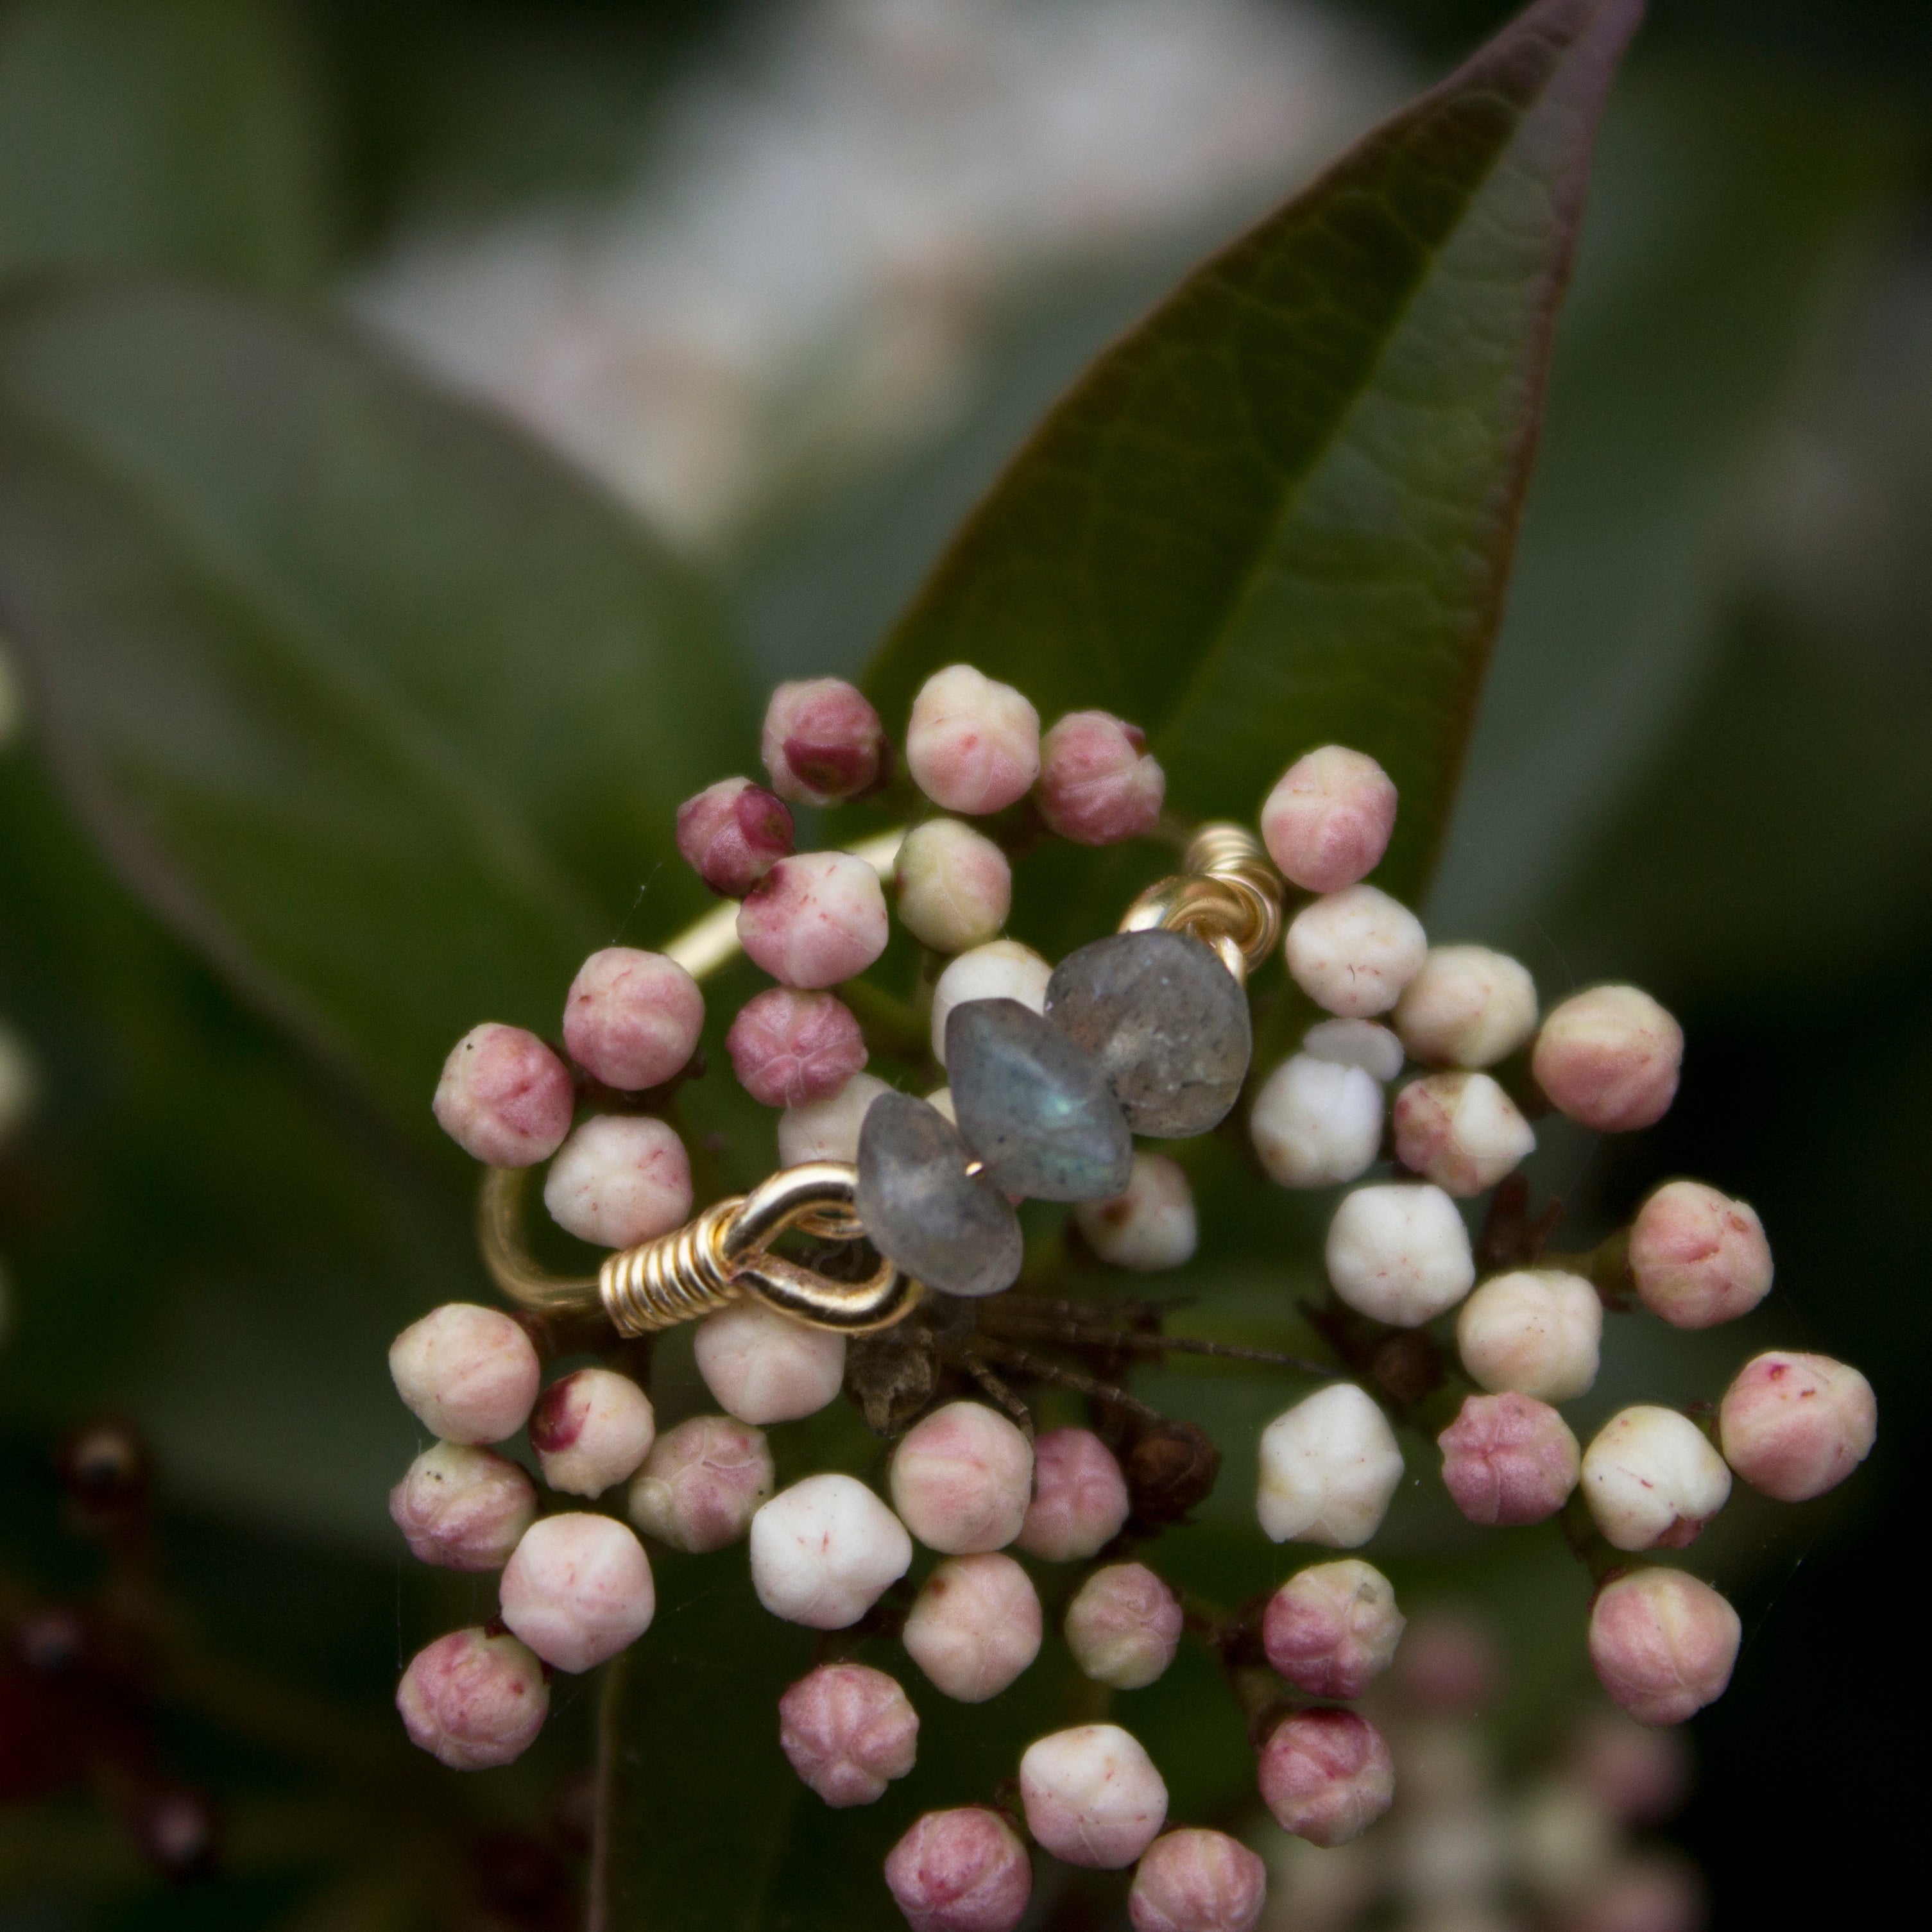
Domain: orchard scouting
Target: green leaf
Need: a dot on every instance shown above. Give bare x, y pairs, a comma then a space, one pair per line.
1280, 512
386, 710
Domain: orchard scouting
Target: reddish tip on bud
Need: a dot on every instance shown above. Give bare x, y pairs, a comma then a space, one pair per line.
473, 1700
1461, 1130
591, 1429
504, 1097
462, 1507
578, 1590
1328, 821
1332, 1629
789, 1049
632, 1019
961, 1479
1079, 1500
972, 745
848, 1730
1197, 1881
814, 919
732, 834
1663, 1644
467, 1374
960, 1871
1609, 1057
1508, 1459
822, 742
1097, 784
1795, 1426
1326, 1775
1652, 1480
1697, 1257
619, 1179
702, 1483
1092, 1795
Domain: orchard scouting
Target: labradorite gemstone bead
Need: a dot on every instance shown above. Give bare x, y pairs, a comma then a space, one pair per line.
1165, 1020
1034, 1106
953, 1230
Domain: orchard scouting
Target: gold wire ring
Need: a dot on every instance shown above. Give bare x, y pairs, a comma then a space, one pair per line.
1228, 897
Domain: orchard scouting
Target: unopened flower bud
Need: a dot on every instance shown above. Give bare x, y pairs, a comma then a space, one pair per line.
1362, 1043
961, 1479
619, 1179
953, 885
632, 1019
763, 1366
824, 1551
1170, 1466
578, 1590
814, 919
1399, 1253
1653, 1891
848, 1731
1004, 969
702, 1483
590, 1430
1097, 784
1610, 1058
504, 1097
1468, 1007
1316, 1122
1326, 1775
1449, 1667
1462, 1130
1331, 1629
467, 1374
1328, 821
974, 1627
1651, 1479
1150, 1227
1640, 1776
828, 1128
462, 1507
822, 742
1699, 1258
1092, 1795
792, 1049
1079, 1499
473, 1700
1123, 1626
732, 834
1353, 952
1329, 1467
960, 1871
1537, 1331
972, 745
1663, 1644
1795, 1426
1508, 1459
1197, 1881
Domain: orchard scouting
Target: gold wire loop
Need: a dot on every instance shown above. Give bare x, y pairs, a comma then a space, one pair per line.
1229, 897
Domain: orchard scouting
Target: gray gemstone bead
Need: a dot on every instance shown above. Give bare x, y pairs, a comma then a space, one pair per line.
1166, 1021
1033, 1106
953, 1230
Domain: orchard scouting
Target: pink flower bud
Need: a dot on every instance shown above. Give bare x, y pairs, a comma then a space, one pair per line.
828, 1129
591, 1429
960, 1871
1653, 1891
619, 1179
578, 1590
1610, 1058
632, 1019
1328, 821
1652, 1480
1468, 1007
1399, 1252
1537, 1331
961, 1479
1332, 1628
954, 887
824, 1551
763, 1366
1005, 970
1196, 1881
1663, 1644
1316, 1122
1326, 1775
848, 1731
1462, 1130
1699, 1258
504, 1097
1150, 1227
972, 745
1795, 1426
822, 742
467, 1374
1508, 1459
1353, 952
702, 1483
1097, 784
1123, 1626
1449, 1665
1329, 1468
1079, 1500
732, 834
789, 1049
1640, 1776
814, 919
462, 1508
974, 1627
1092, 1795
473, 1700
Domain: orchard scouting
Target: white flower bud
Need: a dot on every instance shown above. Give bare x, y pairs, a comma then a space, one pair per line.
578, 1590
1150, 1227
960, 1871
972, 745
1651, 1479
462, 1508
1326, 1775
1537, 1331
953, 885
1329, 1467
619, 1179
828, 1129
1610, 1058
1462, 1130
591, 1429
974, 1627
632, 1019
1663, 1644
1468, 1007
1005, 970
702, 1483
474, 1700
1123, 1626
1079, 1500
763, 1366
1326, 822
1316, 1122
1795, 1426
824, 1551
1197, 1881
848, 1731
814, 919
1092, 1795
1697, 1257
1360, 1043
504, 1097
1353, 952
1399, 1253
467, 1374
961, 1479
1332, 1629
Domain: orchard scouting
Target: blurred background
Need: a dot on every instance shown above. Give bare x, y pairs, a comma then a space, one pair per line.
792, 279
